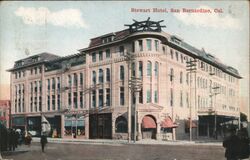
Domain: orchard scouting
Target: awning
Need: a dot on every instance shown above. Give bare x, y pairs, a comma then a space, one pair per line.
148, 122
2, 118
168, 123
193, 125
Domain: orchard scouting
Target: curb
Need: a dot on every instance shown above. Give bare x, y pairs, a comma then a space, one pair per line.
109, 142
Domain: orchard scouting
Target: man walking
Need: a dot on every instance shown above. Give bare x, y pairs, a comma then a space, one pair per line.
43, 141
232, 145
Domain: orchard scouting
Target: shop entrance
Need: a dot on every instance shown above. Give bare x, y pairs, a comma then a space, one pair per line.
100, 126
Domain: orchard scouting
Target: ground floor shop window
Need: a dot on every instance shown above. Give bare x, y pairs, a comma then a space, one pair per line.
121, 125
74, 125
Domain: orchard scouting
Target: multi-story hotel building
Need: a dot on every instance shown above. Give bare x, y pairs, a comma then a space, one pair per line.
180, 89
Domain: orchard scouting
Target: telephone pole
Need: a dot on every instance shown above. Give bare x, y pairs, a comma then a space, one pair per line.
191, 68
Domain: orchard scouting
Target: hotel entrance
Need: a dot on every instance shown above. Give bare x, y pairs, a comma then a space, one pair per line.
100, 126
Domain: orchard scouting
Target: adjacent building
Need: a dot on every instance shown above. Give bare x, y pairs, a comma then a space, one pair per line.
5, 112
172, 88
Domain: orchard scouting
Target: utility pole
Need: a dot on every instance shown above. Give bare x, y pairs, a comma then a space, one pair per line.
191, 68
129, 59
215, 114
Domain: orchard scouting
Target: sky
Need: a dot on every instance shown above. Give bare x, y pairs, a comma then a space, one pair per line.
29, 28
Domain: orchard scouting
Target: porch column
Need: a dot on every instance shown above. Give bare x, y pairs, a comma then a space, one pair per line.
62, 126
158, 132
86, 125
139, 131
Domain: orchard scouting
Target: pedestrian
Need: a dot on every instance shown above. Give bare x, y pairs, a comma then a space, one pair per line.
244, 144
43, 141
231, 144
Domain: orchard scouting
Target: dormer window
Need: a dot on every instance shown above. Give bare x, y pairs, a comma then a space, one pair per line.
108, 39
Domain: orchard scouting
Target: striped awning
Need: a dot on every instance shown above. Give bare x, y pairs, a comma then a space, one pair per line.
148, 122
168, 123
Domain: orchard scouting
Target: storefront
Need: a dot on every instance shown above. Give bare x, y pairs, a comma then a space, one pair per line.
19, 122
34, 126
100, 126
55, 124
74, 125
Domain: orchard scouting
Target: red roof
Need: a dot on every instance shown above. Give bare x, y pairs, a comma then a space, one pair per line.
118, 35
193, 125
168, 123
148, 122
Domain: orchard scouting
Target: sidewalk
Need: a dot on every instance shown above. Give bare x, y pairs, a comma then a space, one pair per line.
142, 142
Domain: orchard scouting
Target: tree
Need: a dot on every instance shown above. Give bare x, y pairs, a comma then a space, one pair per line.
243, 117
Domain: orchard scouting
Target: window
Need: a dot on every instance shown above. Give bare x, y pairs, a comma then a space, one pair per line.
35, 103
81, 99
100, 98
199, 101
100, 56
181, 99
122, 74
133, 69
40, 86
187, 78
69, 100
156, 96
121, 125
107, 53
121, 50
69, 81
48, 103
140, 69
171, 74
53, 102
94, 99
58, 102
107, 75
31, 104
187, 99
48, 84
31, 87
93, 77
171, 97
181, 77
149, 68
156, 69
181, 58
94, 57
148, 96
149, 44
36, 86
122, 100
156, 45
172, 54
108, 96
81, 78
141, 96
100, 76
35, 70
75, 79
133, 46
140, 45
53, 83
40, 103
177, 56
75, 99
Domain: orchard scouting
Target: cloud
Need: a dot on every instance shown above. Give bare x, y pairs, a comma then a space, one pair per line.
214, 20
42, 16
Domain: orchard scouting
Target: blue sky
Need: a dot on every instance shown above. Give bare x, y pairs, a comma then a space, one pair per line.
69, 26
